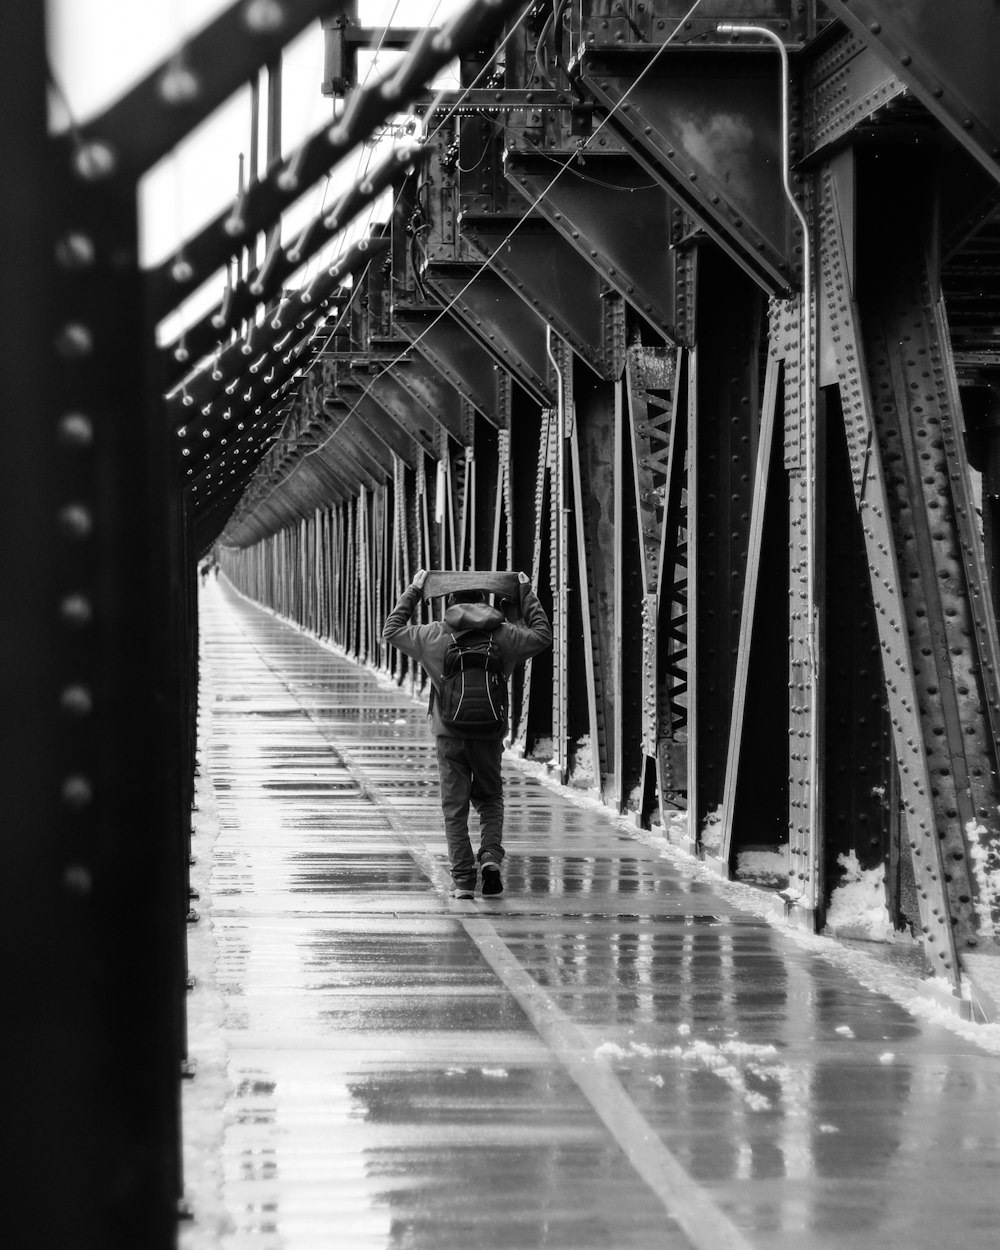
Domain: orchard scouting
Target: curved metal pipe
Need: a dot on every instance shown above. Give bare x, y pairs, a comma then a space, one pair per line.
808, 408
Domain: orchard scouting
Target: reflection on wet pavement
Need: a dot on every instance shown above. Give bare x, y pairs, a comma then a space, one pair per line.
612, 1055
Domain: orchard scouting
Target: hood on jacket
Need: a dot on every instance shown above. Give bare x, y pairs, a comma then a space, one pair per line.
473, 616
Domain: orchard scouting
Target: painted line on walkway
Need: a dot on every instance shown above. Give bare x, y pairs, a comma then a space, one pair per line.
685, 1201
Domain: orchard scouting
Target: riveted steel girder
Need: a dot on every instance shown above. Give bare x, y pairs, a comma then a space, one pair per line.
592, 444
458, 356
143, 125
417, 383
253, 403
723, 422
241, 302
649, 376
706, 124
749, 722
266, 282
946, 54
600, 22
539, 265
846, 87
618, 218
496, 317
351, 450
199, 340
932, 608
406, 407
376, 418
229, 464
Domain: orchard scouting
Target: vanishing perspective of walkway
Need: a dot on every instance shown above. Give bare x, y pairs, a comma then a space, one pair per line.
615, 1054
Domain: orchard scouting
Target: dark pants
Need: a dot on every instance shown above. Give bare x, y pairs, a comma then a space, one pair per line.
470, 773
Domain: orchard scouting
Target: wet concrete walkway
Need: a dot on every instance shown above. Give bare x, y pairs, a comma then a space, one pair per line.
611, 1055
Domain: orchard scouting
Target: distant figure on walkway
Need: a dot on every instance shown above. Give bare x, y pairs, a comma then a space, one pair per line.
469, 657
204, 572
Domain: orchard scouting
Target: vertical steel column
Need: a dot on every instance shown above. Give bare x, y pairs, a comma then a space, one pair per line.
628, 620
594, 496
92, 635
753, 607
721, 453
560, 561
929, 820
521, 726
501, 545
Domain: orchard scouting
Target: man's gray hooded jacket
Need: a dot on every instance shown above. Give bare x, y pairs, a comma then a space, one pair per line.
427, 644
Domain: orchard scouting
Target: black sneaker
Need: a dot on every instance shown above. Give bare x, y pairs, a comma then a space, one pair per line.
492, 883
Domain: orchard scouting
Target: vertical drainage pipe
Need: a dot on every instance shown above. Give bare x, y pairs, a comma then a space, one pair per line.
806, 375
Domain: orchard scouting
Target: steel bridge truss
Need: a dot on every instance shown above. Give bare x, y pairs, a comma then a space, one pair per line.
737, 422
764, 540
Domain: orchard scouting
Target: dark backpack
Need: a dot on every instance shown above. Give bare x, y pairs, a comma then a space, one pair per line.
473, 694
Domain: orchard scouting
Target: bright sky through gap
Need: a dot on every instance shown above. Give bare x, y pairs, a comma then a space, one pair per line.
100, 48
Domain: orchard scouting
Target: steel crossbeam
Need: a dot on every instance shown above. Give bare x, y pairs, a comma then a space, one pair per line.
514, 335
458, 358
158, 113
946, 56
541, 268
706, 126
617, 217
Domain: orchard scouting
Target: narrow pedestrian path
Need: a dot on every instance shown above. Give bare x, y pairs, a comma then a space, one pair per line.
612, 1055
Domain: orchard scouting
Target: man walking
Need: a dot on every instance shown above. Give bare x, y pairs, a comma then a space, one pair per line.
469, 657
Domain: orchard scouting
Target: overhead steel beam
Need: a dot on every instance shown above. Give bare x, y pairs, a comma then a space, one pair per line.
459, 357
146, 123
376, 419
408, 392
252, 404
847, 87
258, 207
266, 282
544, 271
495, 316
368, 107
946, 55
204, 338
296, 311
706, 124
618, 218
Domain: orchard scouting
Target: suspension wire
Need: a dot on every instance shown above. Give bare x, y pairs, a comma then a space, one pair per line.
452, 110
488, 262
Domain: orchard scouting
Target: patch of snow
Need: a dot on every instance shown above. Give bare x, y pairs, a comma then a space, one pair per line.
730, 1061
857, 905
987, 874
544, 750
765, 867
711, 831
845, 1030
888, 1057
582, 777
497, 1073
